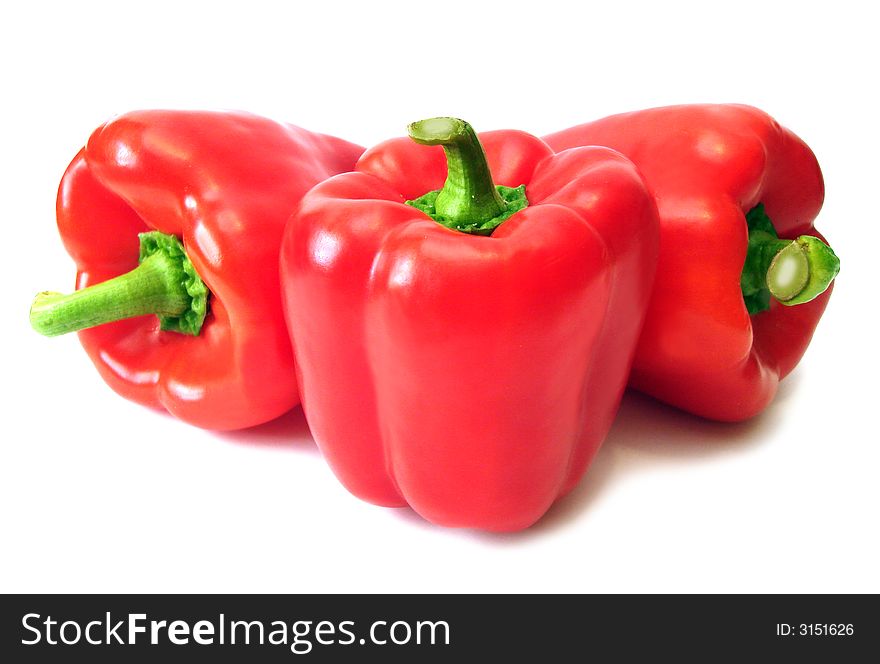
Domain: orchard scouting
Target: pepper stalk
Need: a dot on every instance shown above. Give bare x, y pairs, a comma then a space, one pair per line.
164, 283
790, 271
469, 201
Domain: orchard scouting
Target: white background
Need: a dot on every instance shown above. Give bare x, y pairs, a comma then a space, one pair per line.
98, 494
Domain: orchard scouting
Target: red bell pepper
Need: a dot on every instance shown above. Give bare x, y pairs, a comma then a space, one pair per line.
729, 182
465, 354
209, 194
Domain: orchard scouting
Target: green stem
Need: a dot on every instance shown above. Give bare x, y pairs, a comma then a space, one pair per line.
790, 271
469, 195
802, 271
164, 283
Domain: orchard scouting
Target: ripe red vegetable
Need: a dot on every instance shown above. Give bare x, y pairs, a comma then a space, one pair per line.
737, 195
209, 194
466, 353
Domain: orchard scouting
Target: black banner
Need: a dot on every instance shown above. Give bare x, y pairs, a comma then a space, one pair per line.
436, 628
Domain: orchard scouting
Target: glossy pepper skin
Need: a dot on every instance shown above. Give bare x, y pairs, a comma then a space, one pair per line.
707, 167
224, 183
472, 378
